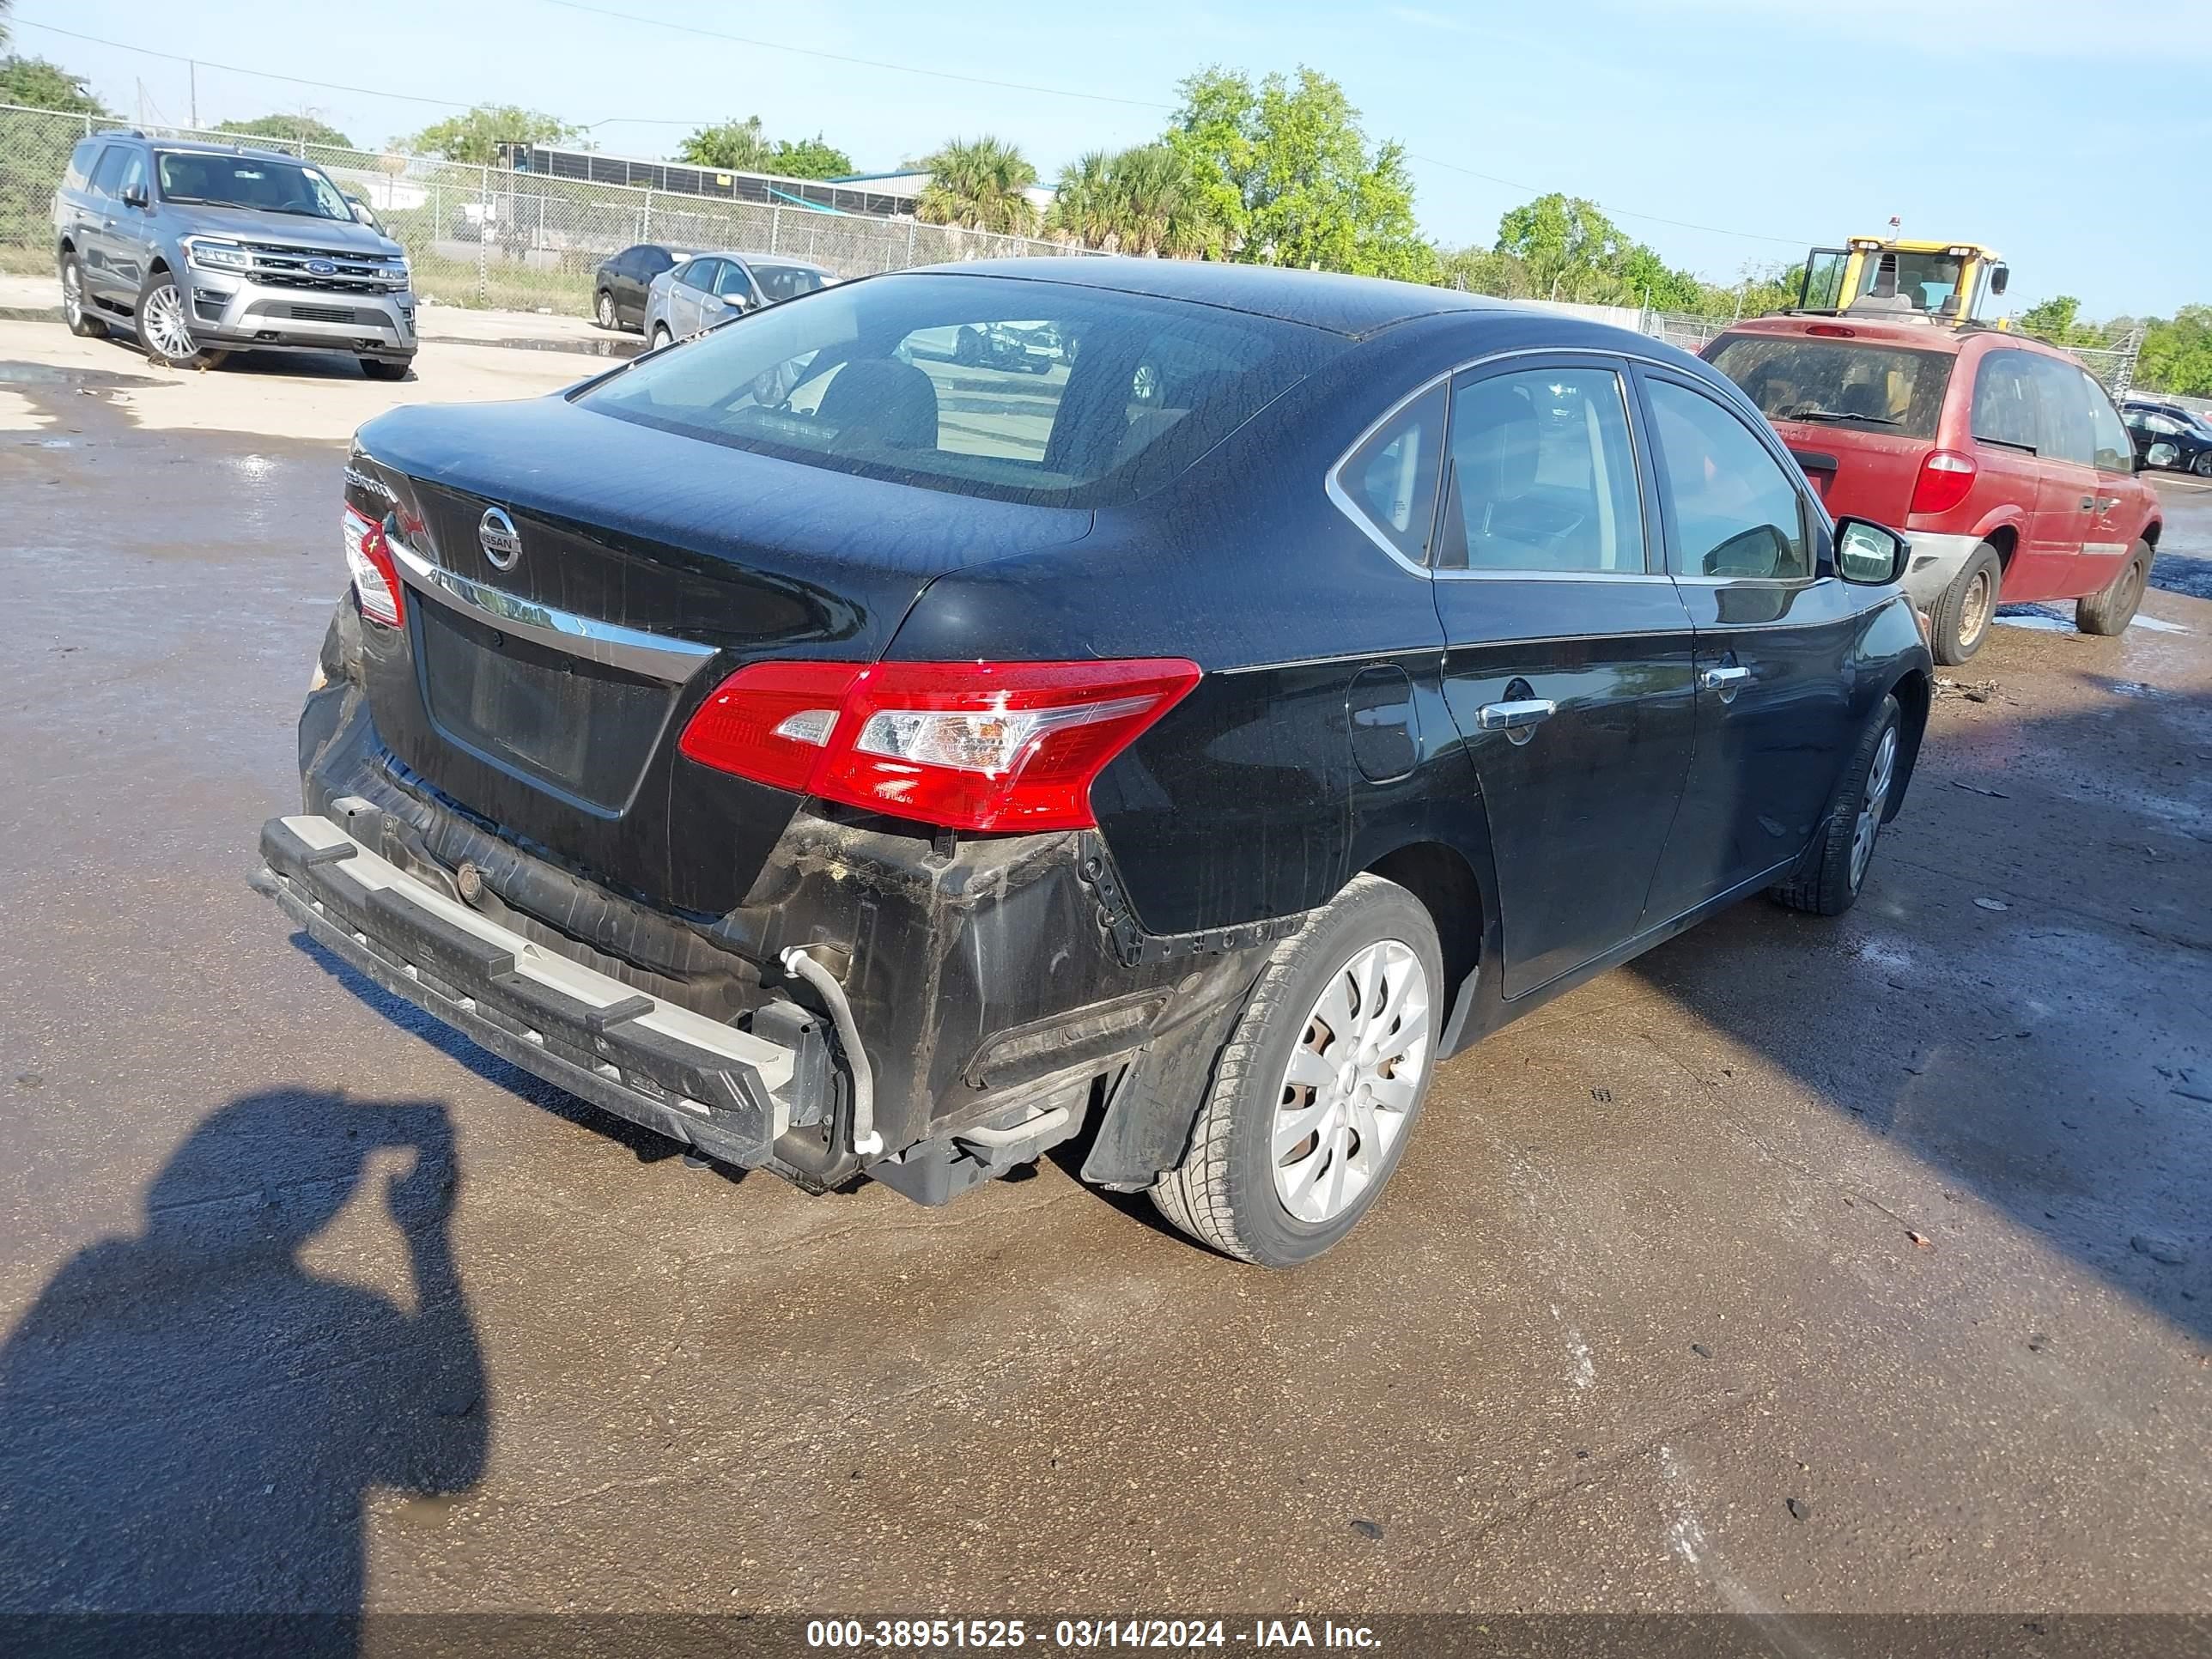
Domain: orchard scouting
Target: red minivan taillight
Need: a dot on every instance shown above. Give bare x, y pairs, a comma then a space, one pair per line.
968, 745
375, 576
1945, 477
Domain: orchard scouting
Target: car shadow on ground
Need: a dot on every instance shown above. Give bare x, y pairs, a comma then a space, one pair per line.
277, 365
2016, 999
249, 1404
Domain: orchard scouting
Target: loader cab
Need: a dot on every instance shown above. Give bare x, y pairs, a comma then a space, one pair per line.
1939, 282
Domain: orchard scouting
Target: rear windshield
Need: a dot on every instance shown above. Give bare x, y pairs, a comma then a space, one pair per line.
1004, 387
1832, 382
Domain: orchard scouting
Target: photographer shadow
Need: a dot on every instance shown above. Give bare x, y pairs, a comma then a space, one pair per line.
194, 1419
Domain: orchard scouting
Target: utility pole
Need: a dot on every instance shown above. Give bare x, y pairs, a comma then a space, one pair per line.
193, 68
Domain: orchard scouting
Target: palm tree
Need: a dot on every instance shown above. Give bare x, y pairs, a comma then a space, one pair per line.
1084, 206
978, 183
1160, 206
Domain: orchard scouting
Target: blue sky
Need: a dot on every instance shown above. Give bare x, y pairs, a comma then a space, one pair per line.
2071, 135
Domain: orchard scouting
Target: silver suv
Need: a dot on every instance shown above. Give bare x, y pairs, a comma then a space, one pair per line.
204, 249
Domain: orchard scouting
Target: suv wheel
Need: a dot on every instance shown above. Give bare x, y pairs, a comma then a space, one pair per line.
1316, 1093
164, 331
606, 314
383, 368
1827, 883
1961, 618
2111, 610
76, 306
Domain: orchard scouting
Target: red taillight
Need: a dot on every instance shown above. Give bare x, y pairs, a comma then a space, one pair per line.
375, 577
1833, 332
1945, 477
1012, 745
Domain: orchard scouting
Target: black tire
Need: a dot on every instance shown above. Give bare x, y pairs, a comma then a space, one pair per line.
78, 314
604, 312
1960, 620
2201, 466
1225, 1194
661, 336
383, 368
1829, 880
159, 291
2110, 610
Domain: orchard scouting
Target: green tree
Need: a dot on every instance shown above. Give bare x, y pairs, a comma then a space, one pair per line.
37, 84
477, 137
978, 183
291, 129
2176, 353
809, 158
736, 146
1286, 174
1143, 201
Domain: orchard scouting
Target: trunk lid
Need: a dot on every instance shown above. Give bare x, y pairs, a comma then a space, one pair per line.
1866, 475
543, 681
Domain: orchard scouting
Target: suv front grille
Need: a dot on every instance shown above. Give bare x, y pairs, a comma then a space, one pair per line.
278, 266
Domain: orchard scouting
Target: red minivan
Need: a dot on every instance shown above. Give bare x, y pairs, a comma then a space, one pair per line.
1998, 457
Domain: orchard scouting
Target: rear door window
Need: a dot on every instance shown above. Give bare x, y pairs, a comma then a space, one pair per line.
2062, 410
698, 275
2008, 408
1735, 512
1007, 387
1838, 382
107, 177
1543, 476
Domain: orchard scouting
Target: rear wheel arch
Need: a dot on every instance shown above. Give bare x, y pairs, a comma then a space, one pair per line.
2151, 532
1443, 880
2005, 538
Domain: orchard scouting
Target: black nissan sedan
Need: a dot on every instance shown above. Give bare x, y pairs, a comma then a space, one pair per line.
844, 758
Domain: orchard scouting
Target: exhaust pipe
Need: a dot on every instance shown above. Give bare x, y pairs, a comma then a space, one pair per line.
799, 965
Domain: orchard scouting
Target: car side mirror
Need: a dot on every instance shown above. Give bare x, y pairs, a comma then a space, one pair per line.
134, 195
2162, 454
1868, 554
1999, 276
361, 213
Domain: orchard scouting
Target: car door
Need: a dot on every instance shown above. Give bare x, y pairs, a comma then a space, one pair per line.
643, 264
733, 294
128, 228
1746, 547
2067, 502
686, 290
97, 220
1568, 653
2114, 521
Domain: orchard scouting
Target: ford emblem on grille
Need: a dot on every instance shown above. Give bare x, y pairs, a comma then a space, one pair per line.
321, 268
500, 540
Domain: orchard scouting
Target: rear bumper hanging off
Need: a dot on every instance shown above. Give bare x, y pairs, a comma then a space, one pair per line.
729, 1092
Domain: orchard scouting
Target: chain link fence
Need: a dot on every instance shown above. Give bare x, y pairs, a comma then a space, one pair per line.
487, 236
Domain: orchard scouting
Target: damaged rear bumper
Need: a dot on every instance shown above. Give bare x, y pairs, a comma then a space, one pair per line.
739, 1096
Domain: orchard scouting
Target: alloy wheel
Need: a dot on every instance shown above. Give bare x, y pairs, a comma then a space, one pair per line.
1352, 1082
606, 311
72, 297
1879, 775
162, 318
2201, 466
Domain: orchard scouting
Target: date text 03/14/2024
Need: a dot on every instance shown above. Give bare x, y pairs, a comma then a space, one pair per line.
1084, 1634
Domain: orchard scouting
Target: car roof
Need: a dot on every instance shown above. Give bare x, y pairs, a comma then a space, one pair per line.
1917, 336
763, 260
200, 147
1355, 306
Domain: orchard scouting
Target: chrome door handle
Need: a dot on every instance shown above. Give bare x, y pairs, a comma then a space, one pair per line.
1726, 681
1518, 719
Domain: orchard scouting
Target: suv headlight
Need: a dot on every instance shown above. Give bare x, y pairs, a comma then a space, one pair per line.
210, 255
396, 272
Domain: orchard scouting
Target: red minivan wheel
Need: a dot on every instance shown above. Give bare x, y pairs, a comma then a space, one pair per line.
1961, 621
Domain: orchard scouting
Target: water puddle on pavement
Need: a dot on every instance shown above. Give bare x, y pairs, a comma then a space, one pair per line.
2031, 617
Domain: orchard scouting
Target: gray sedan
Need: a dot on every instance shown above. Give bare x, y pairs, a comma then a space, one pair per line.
714, 287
